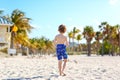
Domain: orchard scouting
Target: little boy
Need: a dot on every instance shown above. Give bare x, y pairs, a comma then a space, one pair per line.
61, 42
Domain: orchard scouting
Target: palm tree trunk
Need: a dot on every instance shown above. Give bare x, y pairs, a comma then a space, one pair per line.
102, 48
69, 44
12, 40
78, 46
89, 48
73, 44
119, 43
112, 52
98, 47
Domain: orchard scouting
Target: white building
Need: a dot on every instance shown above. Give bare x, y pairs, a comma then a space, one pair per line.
5, 34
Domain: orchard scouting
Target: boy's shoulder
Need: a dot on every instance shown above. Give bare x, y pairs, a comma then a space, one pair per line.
58, 35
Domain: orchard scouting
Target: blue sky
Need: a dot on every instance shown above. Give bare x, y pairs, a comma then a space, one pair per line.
47, 15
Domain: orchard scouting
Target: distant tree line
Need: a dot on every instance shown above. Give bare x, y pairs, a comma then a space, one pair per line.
107, 39
108, 35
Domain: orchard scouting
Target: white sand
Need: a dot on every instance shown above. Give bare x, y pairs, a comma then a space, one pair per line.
45, 68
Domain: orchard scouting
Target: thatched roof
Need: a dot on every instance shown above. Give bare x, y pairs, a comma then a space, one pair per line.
4, 21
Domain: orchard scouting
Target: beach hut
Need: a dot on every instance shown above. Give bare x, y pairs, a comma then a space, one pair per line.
5, 34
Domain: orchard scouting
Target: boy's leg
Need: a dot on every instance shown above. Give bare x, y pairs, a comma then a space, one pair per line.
65, 57
60, 66
64, 65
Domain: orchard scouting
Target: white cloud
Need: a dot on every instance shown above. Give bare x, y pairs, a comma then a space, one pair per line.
113, 2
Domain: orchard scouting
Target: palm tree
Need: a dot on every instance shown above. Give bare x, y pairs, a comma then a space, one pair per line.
78, 38
70, 35
20, 28
88, 35
42, 45
33, 45
118, 30
109, 34
113, 38
104, 31
22, 23
49, 46
98, 37
75, 31
1, 12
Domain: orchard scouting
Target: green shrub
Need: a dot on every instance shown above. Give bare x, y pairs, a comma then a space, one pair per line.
74, 53
5, 50
106, 47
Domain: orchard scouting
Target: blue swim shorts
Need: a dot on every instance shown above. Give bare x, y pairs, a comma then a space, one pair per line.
61, 51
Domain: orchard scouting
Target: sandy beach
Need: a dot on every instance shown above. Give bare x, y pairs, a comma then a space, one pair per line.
79, 67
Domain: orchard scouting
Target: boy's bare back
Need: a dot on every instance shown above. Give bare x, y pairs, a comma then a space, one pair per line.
61, 39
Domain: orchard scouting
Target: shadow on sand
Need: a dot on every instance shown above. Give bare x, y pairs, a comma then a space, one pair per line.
36, 77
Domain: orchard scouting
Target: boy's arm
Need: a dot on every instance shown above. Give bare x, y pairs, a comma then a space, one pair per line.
67, 43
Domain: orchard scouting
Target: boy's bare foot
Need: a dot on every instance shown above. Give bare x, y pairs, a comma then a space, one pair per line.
63, 74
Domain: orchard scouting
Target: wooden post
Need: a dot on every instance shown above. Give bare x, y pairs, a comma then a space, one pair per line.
27, 51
